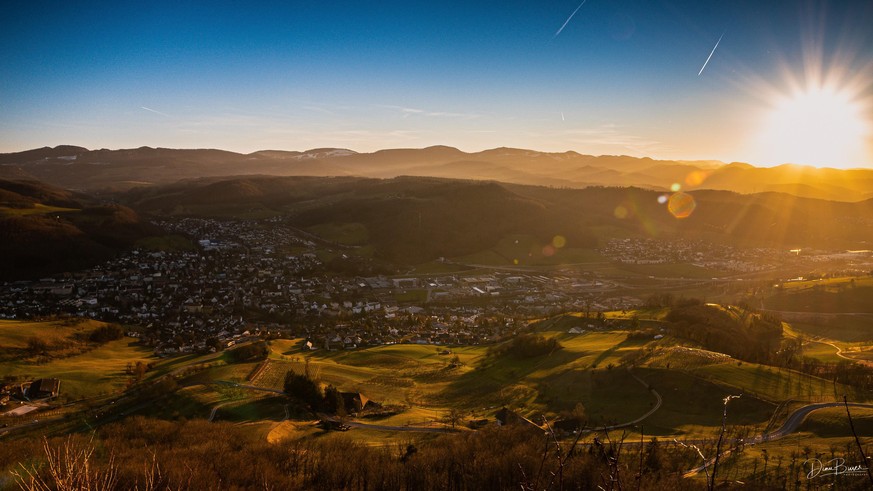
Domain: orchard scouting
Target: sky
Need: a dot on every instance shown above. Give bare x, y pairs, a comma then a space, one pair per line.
689, 80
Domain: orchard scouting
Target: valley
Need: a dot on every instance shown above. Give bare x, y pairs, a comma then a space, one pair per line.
448, 309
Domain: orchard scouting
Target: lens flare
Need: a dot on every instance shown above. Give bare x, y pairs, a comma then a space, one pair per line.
681, 205
675, 187
548, 251
620, 212
696, 178
559, 241
818, 125
663, 199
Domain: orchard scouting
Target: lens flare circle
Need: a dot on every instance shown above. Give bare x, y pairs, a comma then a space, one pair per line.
681, 205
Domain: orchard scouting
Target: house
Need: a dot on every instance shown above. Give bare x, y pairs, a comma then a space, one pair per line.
576, 330
354, 401
44, 387
508, 417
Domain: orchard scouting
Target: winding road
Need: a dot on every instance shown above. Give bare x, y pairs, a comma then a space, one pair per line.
840, 354
791, 424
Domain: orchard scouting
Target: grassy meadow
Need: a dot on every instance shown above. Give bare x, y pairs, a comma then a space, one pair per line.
85, 370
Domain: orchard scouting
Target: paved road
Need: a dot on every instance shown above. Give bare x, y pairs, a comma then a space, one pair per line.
215, 410
797, 417
841, 355
790, 426
658, 401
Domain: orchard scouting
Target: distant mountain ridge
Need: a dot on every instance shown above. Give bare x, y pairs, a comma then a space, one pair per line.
77, 168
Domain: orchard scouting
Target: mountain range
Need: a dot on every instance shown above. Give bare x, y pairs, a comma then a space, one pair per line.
78, 168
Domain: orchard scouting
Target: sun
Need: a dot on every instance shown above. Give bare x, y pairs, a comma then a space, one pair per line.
818, 126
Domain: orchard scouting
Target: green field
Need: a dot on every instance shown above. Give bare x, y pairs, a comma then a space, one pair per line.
846, 328
772, 384
15, 334
91, 371
821, 351
525, 250
825, 296
696, 406
420, 384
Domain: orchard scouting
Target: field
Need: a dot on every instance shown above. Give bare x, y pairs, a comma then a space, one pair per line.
772, 384
846, 328
87, 372
841, 295
525, 250
588, 370
420, 385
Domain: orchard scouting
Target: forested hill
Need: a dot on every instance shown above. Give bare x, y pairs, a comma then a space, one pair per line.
414, 219
44, 229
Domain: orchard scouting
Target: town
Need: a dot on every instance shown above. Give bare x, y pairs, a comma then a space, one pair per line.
248, 278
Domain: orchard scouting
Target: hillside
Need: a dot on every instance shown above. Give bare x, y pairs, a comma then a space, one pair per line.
44, 229
78, 168
412, 219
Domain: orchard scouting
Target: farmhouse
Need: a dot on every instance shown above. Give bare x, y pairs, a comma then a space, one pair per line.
354, 401
44, 387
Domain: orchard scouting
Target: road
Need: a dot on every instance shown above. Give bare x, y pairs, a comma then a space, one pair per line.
658, 401
796, 418
790, 426
840, 354
215, 410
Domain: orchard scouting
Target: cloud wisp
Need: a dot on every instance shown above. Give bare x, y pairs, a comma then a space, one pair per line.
411, 111
156, 112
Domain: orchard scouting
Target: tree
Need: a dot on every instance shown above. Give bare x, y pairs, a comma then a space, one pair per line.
333, 401
304, 389
453, 417
579, 414
104, 334
37, 346
139, 371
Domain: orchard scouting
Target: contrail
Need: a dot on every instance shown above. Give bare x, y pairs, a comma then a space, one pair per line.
156, 112
710, 54
562, 116
568, 19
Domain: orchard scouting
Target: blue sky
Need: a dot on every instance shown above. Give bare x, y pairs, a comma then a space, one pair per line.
620, 78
